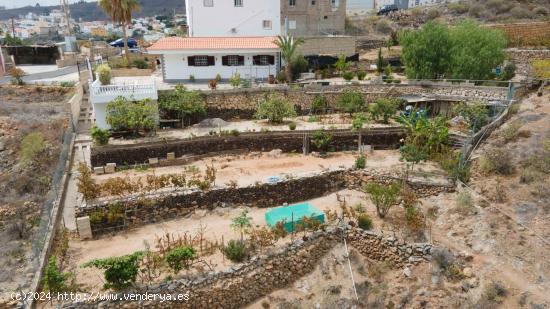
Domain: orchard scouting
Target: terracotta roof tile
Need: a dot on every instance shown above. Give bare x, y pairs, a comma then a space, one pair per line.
201, 43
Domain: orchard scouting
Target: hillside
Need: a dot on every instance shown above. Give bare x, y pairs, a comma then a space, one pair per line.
89, 11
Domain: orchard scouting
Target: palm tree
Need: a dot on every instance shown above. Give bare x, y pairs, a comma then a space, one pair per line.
288, 46
120, 12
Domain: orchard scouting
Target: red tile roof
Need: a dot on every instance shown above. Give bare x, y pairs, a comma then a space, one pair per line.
202, 43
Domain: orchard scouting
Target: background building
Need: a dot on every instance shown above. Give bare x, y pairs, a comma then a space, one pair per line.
233, 18
313, 17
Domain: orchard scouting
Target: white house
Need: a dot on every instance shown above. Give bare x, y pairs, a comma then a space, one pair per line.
203, 58
222, 18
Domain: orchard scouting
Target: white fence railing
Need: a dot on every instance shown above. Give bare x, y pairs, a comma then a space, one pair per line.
130, 90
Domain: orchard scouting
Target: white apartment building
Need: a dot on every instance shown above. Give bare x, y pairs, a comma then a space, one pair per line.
222, 18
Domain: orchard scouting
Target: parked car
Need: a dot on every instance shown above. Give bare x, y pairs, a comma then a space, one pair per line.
386, 9
132, 43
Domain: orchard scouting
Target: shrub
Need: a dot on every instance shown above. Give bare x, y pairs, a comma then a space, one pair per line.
383, 196
351, 101
494, 291
235, 80
100, 137
281, 77
182, 104
218, 78
464, 202
383, 109
541, 10
348, 76
496, 161
120, 272
32, 145
476, 10
275, 108
458, 7
292, 126
299, 65
16, 76
192, 78
360, 162
235, 251
104, 74
319, 104
67, 84
180, 258
321, 139
476, 114
511, 131
529, 175
383, 26
54, 281
520, 13
364, 221
141, 64
361, 75
133, 116
433, 14
509, 71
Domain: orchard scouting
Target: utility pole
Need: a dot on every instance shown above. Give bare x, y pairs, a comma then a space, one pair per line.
12, 27
67, 16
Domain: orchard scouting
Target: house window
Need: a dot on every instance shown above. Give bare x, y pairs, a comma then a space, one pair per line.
201, 61
267, 24
238, 3
263, 60
233, 60
335, 3
291, 24
291, 2
312, 2
208, 3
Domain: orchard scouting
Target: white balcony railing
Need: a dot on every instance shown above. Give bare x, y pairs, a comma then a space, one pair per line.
131, 90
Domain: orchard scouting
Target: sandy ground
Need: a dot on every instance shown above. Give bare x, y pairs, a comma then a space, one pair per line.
258, 167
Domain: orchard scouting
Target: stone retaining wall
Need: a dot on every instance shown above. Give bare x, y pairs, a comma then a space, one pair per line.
139, 209
242, 103
523, 58
249, 281
291, 141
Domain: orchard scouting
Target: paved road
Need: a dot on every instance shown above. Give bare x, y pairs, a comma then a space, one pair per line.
43, 75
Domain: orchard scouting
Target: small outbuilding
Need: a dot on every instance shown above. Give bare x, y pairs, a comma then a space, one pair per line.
292, 215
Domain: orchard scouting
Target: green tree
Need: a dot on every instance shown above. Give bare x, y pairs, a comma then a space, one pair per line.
357, 124
120, 12
275, 108
180, 258
183, 103
426, 51
351, 101
475, 50
241, 223
288, 46
319, 104
12, 41
383, 196
120, 272
321, 139
54, 281
299, 64
133, 116
383, 109
426, 137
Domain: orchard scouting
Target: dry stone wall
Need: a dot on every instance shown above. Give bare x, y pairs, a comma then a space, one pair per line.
242, 103
523, 58
383, 138
137, 210
249, 281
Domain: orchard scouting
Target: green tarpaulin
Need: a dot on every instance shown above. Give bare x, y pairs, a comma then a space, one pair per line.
292, 215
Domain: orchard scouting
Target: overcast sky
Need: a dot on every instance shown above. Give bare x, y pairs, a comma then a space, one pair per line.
10, 4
